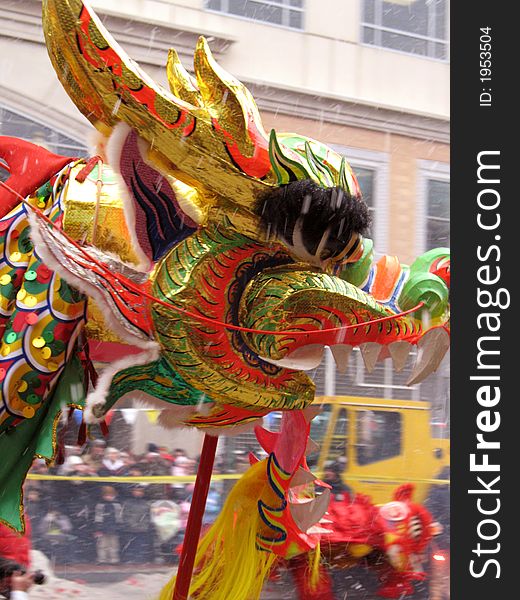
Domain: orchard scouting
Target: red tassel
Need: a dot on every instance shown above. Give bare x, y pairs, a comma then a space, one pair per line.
104, 427
60, 442
82, 433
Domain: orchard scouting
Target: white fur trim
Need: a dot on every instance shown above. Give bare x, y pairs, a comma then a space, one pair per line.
177, 417
97, 398
96, 143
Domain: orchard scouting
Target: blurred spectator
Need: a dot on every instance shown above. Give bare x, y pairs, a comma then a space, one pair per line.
125, 490
127, 458
35, 509
153, 531
55, 532
332, 476
70, 464
165, 454
152, 465
107, 523
16, 585
72, 458
166, 518
136, 533
39, 466
213, 506
79, 509
95, 454
182, 466
112, 463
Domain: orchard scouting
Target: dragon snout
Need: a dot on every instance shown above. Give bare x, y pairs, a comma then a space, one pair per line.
308, 311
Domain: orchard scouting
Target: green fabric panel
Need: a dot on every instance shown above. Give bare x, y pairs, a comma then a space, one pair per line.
157, 379
34, 437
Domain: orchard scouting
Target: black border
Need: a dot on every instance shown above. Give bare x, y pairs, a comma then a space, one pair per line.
474, 129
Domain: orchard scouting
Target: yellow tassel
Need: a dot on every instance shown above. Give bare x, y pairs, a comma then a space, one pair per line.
228, 564
314, 567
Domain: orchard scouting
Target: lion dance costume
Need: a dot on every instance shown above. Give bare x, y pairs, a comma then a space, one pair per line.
208, 264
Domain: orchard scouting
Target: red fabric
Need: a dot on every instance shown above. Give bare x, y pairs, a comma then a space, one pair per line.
395, 585
31, 166
353, 521
299, 566
110, 351
15, 546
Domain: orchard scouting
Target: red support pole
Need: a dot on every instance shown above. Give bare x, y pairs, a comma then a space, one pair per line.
193, 527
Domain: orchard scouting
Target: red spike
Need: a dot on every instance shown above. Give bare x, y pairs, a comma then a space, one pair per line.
266, 439
404, 492
253, 459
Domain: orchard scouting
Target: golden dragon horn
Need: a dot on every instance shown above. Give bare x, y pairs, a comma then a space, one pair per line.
206, 132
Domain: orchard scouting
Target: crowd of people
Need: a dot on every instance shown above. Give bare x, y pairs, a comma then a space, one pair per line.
124, 521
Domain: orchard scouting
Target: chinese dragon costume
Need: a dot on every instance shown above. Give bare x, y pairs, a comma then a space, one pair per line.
389, 539
206, 263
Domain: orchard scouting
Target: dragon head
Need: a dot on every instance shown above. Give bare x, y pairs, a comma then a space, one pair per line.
408, 527
253, 243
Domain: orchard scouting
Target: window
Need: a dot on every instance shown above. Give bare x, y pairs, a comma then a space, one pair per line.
433, 206
366, 180
338, 440
438, 214
288, 13
18, 125
320, 423
412, 26
378, 435
371, 170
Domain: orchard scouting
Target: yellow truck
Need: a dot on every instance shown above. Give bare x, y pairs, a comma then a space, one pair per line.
381, 443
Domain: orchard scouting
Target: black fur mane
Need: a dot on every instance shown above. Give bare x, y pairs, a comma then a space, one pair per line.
317, 209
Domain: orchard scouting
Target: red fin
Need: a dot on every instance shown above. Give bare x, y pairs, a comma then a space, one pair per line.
30, 165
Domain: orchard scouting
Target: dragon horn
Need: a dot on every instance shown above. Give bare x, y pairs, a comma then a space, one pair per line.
207, 134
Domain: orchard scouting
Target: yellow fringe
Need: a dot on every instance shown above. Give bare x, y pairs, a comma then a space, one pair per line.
314, 567
228, 565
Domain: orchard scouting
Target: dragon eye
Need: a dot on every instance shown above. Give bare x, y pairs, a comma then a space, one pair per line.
351, 252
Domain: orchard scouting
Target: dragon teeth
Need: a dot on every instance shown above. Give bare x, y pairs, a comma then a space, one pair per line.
370, 352
312, 447
307, 514
399, 352
305, 358
302, 477
341, 353
431, 350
